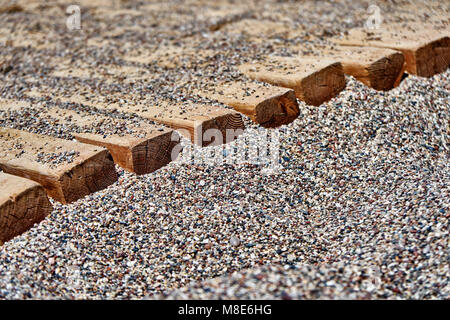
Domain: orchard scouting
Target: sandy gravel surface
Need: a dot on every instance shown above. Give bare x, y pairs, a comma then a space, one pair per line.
358, 209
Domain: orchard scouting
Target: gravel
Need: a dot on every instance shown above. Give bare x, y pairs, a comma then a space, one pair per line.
53, 159
361, 184
289, 282
358, 209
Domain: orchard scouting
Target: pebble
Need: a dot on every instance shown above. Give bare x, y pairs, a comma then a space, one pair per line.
235, 241
53, 159
361, 201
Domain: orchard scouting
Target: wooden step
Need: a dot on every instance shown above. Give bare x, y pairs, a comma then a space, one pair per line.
266, 105
426, 50
217, 19
378, 68
138, 155
314, 80
22, 204
171, 57
260, 30
193, 119
135, 145
374, 67
68, 170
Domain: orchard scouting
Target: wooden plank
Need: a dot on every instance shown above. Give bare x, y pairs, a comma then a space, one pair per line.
11, 8
313, 80
426, 50
22, 38
138, 155
269, 106
171, 57
135, 145
195, 118
217, 19
22, 204
260, 30
109, 73
378, 68
68, 170
266, 105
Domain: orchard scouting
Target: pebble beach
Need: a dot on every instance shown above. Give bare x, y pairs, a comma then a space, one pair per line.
358, 209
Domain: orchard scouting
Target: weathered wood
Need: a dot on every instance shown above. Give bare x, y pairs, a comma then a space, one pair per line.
108, 73
259, 31
171, 57
314, 80
264, 104
12, 8
378, 68
22, 204
135, 145
68, 170
220, 19
267, 105
194, 118
426, 50
138, 155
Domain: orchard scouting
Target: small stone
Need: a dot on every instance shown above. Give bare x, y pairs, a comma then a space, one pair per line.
235, 241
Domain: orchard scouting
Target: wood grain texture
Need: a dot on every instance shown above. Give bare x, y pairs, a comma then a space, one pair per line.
23, 203
90, 169
266, 105
194, 118
138, 155
426, 49
378, 68
314, 80
136, 146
